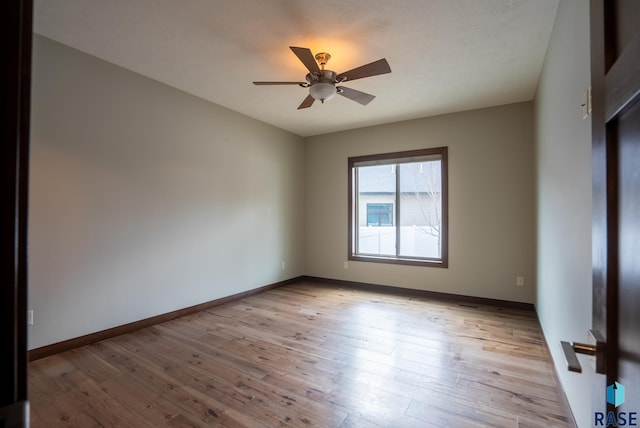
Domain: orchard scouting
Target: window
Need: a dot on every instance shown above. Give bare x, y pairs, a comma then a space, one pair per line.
398, 209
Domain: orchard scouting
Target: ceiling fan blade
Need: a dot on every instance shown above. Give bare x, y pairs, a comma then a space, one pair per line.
279, 83
357, 96
306, 57
375, 68
307, 102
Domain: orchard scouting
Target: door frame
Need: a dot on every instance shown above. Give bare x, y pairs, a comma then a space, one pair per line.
15, 85
615, 80
604, 206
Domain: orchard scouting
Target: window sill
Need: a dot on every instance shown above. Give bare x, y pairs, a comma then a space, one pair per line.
399, 260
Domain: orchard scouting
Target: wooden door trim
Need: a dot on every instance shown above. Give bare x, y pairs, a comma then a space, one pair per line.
15, 87
620, 90
599, 157
604, 202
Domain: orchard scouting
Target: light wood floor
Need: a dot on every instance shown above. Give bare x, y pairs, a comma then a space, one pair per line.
310, 354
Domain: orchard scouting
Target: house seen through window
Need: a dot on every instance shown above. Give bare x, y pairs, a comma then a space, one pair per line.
379, 214
398, 207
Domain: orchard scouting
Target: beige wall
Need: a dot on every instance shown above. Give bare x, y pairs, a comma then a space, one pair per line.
491, 202
145, 199
563, 151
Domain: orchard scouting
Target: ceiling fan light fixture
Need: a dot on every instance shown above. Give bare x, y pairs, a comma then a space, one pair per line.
322, 91
322, 82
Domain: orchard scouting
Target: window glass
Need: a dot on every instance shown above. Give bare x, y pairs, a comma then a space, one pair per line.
420, 209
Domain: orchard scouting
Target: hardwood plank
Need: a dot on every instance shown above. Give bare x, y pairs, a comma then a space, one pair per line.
446, 412
310, 354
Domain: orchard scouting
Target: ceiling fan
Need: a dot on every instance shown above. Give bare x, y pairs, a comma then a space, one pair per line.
322, 83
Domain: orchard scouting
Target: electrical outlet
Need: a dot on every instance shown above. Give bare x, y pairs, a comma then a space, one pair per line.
520, 281
346, 265
283, 265
30, 317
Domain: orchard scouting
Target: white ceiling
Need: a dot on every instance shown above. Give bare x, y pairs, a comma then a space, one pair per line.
445, 55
